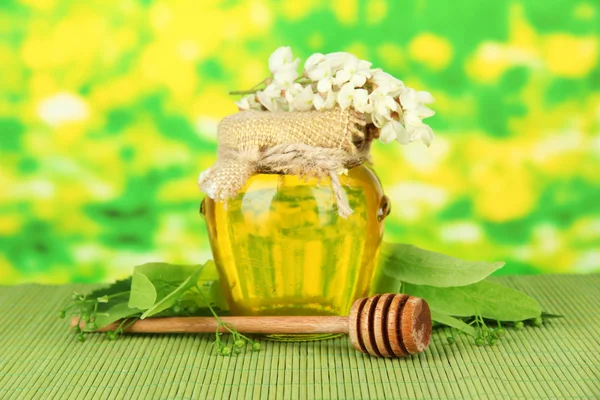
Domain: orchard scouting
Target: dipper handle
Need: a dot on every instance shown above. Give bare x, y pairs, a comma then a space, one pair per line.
253, 325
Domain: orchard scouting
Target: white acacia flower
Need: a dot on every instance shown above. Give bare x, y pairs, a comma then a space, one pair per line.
304, 100
360, 101
354, 71
416, 129
282, 59
346, 96
337, 60
313, 60
414, 101
341, 78
417, 114
243, 104
421, 132
358, 98
292, 91
286, 77
387, 83
410, 98
248, 103
393, 130
271, 98
320, 102
323, 75
283, 67
382, 105
325, 85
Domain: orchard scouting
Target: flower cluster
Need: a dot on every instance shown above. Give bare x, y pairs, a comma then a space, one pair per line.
342, 79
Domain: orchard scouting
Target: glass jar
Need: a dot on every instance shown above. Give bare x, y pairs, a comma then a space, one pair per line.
281, 248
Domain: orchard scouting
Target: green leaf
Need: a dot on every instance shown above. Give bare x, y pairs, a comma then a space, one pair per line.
123, 285
168, 278
154, 288
153, 281
384, 279
114, 313
452, 322
487, 299
143, 292
407, 263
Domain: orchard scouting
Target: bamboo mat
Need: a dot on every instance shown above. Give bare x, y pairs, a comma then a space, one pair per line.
40, 359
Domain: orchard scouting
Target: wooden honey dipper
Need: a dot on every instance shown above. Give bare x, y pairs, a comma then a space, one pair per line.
387, 325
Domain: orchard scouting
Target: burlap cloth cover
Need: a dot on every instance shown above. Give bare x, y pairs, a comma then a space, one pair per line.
309, 144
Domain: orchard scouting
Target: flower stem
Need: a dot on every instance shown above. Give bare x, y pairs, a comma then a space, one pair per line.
251, 91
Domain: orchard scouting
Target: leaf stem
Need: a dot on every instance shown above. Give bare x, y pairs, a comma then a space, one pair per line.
118, 294
226, 325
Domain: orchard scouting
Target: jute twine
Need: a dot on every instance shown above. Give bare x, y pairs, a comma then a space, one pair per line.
311, 144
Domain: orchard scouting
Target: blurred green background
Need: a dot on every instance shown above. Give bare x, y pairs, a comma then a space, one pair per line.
108, 112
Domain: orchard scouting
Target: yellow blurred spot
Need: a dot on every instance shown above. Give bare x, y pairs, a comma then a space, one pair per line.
489, 62
562, 154
492, 59
36, 53
180, 190
521, 34
446, 103
206, 25
537, 122
8, 274
116, 92
43, 5
570, 56
260, 15
69, 134
359, 49
143, 136
42, 85
295, 10
253, 72
102, 157
431, 50
584, 11
503, 186
162, 63
160, 15
61, 46
376, 11
13, 73
346, 11
61, 274
391, 56
9, 224
585, 229
74, 222
214, 102
315, 41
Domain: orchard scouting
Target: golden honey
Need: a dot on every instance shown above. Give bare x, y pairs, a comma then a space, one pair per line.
282, 249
